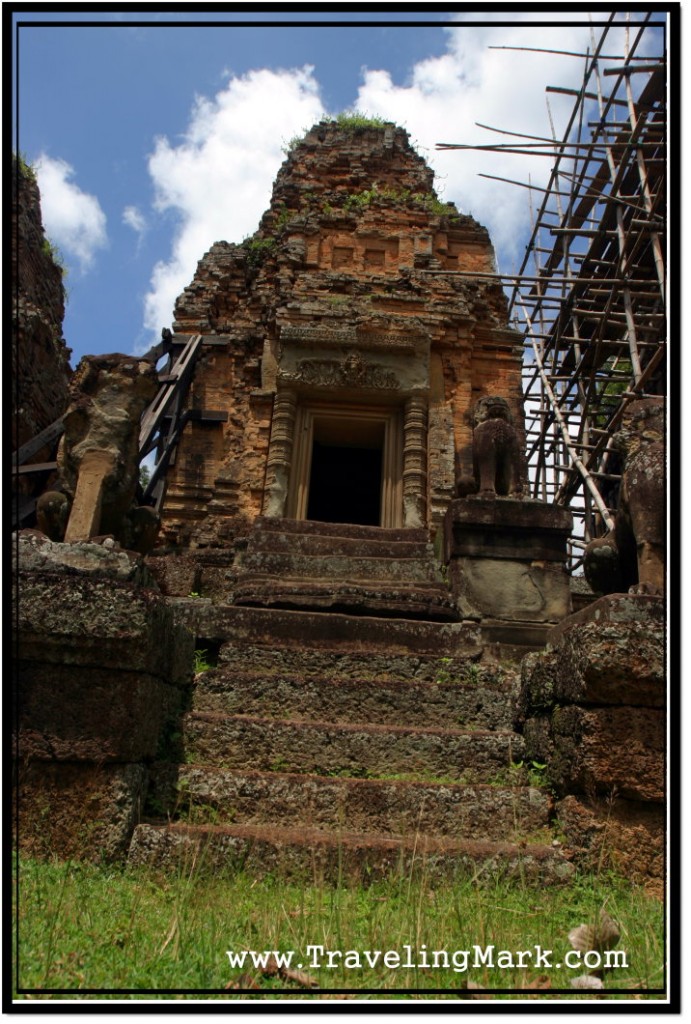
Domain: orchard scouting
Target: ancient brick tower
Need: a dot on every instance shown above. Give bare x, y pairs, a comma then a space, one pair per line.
341, 348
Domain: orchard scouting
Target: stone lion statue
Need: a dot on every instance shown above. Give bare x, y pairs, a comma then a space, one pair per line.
497, 455
632, 555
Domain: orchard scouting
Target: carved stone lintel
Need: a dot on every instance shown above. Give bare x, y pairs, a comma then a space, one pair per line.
353, 372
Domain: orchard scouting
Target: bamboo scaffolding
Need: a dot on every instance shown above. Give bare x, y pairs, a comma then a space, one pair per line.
593, 311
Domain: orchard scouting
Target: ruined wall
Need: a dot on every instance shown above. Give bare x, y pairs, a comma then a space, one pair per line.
352, 254
99, 676
40, 357
592, 708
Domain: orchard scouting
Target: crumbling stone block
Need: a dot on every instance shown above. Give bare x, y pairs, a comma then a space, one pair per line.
592, 708
507, 558
84, 713
624, 836
597, 664
609, 750
78, 810
100, 679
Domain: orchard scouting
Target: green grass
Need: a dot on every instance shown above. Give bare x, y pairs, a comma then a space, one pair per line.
82, 926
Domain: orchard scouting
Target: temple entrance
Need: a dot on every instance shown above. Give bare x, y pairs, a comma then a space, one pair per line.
346, 472
347, 465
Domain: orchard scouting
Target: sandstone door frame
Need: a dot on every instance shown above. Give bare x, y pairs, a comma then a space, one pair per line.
309, 414
404, 472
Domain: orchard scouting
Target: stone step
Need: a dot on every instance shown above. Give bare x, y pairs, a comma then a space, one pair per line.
316, 630
310, 528
380, 692
355, 749
352, 547
349, 857
426, 601
336, 566
203, 794
339, 663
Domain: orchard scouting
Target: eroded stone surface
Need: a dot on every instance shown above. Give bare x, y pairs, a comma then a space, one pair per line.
605, 750
93, 620
80, 811
334, 299
398, 690
100, 678
40, 357
33, 551
593, 710
85, 713
627, 837
507, 558
346, 857
98, 456
601, 664
322, 747
367, 805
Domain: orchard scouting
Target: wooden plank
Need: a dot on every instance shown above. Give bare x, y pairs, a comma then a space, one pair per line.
34, 467
50, 433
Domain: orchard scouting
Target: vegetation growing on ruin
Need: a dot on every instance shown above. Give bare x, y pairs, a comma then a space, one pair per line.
51, 250
352, 120
82, 926
402, 196
257, 249
26, 169
348, 120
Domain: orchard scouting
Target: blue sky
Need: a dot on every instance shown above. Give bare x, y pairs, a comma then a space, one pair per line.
153, 142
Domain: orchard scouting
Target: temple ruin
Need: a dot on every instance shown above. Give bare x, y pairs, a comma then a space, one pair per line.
350, 534
340, 349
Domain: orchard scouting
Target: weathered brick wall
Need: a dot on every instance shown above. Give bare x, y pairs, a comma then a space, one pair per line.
354, 239
40, 357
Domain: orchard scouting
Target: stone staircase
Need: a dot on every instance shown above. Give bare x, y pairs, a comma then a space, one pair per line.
364, 570
330, 745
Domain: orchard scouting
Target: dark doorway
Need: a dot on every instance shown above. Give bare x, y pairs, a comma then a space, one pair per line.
345, 484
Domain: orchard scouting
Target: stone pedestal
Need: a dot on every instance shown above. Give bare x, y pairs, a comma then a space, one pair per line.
100, 676
592, 707
507, 560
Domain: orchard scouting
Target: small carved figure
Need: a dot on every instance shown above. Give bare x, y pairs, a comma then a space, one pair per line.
52, 513
497, 462
632, 555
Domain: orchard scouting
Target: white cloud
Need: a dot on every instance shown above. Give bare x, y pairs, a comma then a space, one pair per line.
504, 89
73, 219
218, 179
134, 219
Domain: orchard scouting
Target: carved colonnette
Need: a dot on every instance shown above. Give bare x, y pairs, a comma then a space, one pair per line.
279, 459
